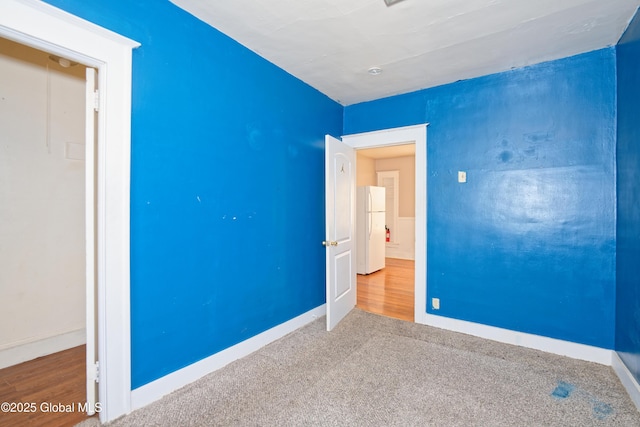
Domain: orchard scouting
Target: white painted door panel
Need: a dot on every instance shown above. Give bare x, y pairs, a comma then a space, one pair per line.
340, 186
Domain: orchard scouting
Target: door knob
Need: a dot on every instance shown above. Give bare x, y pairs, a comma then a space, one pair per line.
329, 243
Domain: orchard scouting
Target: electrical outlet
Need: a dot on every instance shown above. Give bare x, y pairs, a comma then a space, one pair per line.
435, 303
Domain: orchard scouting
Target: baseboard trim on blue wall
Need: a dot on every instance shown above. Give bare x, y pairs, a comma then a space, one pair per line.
536, 342
153, 391
626, 378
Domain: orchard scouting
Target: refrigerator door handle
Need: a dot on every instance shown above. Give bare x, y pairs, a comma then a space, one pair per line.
370, 209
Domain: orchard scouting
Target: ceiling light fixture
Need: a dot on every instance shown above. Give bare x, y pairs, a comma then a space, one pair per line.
63, 62
374, 71
391, 2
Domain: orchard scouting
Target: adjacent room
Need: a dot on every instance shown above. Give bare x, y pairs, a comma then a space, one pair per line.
42, 199
230, 144
387, 287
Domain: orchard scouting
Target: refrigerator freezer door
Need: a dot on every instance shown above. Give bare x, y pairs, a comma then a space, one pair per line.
376, 202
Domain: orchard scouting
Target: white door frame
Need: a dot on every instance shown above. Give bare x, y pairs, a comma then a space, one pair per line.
90, 237
42, 26
399, 136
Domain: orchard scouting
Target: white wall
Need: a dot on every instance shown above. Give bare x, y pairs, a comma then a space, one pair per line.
42, 252
407, 167
365, 171
403, 245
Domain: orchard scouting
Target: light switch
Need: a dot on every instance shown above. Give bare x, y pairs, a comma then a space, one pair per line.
462, 176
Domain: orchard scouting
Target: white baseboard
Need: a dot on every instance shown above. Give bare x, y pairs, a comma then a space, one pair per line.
626, 378
398, 252
42, 347
153, 391
537, 342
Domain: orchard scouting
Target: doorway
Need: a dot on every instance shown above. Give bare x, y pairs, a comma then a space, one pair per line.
46, 222
390, 290
46, 27
416, 135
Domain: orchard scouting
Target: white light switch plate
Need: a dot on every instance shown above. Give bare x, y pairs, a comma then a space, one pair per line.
462, 176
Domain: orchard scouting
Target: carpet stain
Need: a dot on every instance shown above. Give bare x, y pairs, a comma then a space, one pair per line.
601, 410
563, 390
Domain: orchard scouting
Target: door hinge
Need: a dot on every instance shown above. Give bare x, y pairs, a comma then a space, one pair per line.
96, 100
96, 371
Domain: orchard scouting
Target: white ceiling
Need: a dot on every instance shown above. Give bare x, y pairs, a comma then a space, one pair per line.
330, 44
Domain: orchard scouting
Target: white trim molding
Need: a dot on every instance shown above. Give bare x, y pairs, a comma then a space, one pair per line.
37, 24
522, 339
26, 351
626, 378
153, 391
416, 134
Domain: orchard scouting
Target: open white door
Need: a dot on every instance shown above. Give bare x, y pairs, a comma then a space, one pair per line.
90, 138
340, 193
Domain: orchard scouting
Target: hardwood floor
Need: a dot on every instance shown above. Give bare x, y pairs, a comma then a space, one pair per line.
390, 291
51, 389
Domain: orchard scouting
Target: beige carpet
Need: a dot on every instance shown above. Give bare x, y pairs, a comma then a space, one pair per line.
376, 371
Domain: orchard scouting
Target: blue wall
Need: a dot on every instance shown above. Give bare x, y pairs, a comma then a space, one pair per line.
628, 231
227, 191
227, 204
528, 243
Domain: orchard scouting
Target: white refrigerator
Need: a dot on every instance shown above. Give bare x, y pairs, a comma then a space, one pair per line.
370, 229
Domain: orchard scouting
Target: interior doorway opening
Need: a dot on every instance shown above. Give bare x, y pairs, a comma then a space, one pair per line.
417, 135
46, 27
390, 290
48, 226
